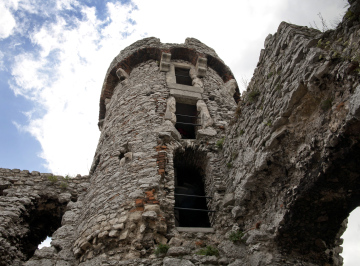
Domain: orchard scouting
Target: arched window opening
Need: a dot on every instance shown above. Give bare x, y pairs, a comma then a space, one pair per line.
190, 199
186, 120
351, 244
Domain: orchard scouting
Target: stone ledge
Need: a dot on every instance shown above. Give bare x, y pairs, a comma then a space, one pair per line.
196, 229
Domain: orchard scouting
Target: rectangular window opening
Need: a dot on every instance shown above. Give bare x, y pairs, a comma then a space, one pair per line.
186, 120
183, 76
190, 208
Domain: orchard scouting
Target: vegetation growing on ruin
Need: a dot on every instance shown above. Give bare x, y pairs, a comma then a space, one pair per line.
208, 251
161, 249
220, 143
253, 95
236, 236
52, 178
326, 105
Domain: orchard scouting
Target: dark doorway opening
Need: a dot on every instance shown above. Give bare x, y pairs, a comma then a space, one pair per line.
186, 120
190, 200
183, 76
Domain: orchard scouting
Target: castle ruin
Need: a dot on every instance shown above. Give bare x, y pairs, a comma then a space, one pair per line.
188, 172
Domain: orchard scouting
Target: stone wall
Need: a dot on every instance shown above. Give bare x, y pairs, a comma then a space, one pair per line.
294, 145
280, 169
33, 206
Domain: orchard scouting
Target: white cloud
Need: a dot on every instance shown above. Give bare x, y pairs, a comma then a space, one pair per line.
7, 21
351, 253
65, 79
2, 65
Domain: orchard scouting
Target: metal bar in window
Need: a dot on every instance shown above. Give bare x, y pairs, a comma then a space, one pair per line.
185, 76
190, 209
186, 115
186, 195
188, 124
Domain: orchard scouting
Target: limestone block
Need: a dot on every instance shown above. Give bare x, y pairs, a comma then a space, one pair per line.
175, 241
138, 193
231, 86
128, 156
84, 245
165, 62
178, 251
179, 262
170, 110
152, 207
122, 219
209, 260
121, 74
204, 115
168, 126
124, 235
201, 66
64, 197
149, 215
68, 217
354, 105
103, 234
118, 226
134, 216
238, 211
122, 161
196, 82
114, 233
45, 252
207, 132
228, 199
160, 239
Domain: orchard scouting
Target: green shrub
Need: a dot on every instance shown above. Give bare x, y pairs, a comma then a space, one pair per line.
319, 44
229, 165
253, 95
52, 178
220, 143
63, 185
236, 236
208, 251
161, 249
326, 105
241, 132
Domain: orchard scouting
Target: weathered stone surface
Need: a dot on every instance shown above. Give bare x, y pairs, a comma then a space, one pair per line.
280, 169
180, 262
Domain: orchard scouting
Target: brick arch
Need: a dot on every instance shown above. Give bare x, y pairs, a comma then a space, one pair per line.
152, 53
127, 64
224, 72
185, 54
314, 221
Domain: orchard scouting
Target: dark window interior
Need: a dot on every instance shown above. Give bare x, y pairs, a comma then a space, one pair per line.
186, 120
183, 76
189, 181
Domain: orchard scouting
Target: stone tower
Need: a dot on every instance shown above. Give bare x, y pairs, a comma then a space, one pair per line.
185, 168
156, 171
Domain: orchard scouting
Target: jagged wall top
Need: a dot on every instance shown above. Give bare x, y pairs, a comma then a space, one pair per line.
152, 48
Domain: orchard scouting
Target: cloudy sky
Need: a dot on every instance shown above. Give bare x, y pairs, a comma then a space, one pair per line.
54, 55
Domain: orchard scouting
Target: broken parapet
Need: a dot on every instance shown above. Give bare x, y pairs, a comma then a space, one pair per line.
33, 206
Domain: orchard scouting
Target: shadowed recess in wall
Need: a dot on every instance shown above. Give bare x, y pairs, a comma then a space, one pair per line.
40, 220
190, 201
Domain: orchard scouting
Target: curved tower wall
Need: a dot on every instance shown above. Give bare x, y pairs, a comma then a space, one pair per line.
129, 207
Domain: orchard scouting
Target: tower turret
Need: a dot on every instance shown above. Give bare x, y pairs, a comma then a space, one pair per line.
163, 110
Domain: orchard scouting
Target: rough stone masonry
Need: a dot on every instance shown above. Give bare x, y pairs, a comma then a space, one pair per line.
188, 172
